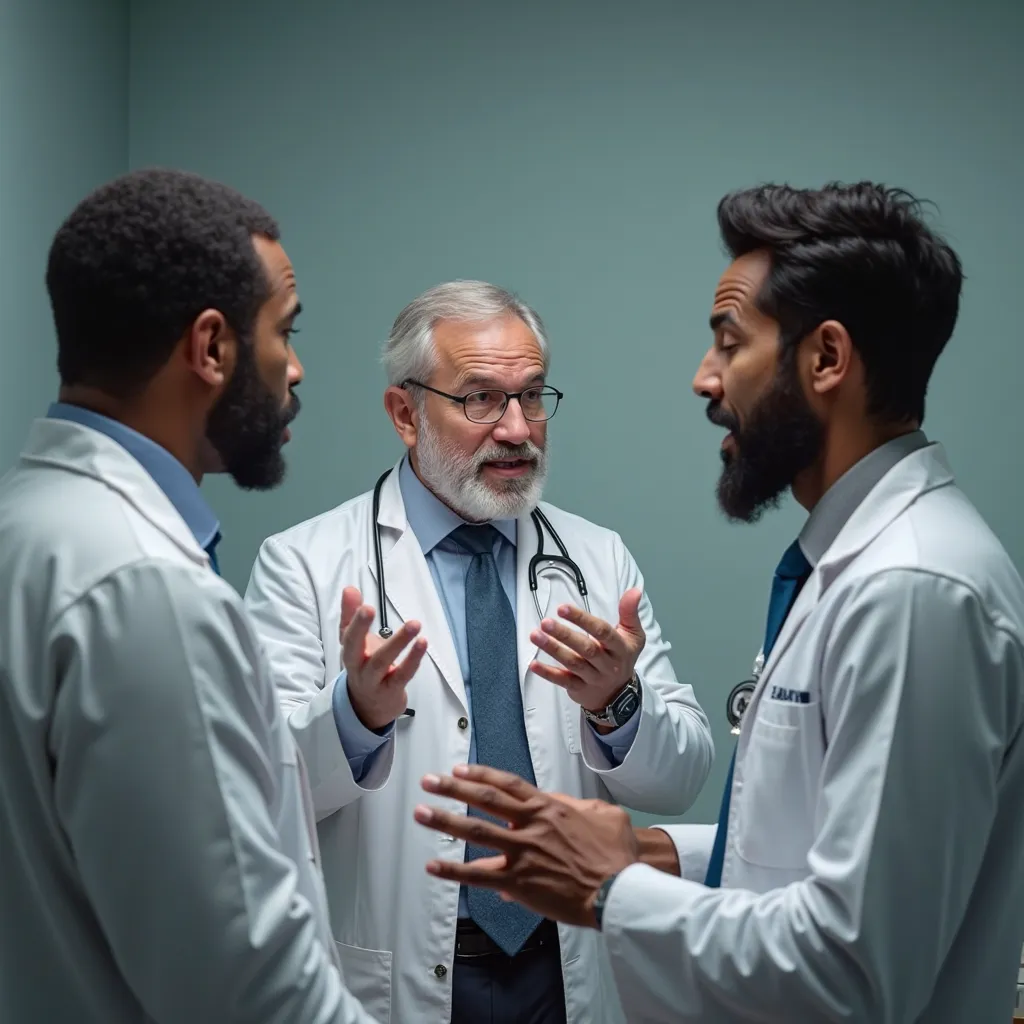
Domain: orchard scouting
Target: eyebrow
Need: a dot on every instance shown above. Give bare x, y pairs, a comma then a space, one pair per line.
479, 382
723, 319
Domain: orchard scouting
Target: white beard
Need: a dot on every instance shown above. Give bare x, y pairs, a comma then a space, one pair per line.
456, 477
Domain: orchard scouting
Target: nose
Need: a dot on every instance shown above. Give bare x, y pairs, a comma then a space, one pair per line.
295, 370
707, 383
513, 427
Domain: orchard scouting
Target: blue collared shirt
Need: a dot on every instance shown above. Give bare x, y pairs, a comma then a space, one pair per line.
432, 522
167, 472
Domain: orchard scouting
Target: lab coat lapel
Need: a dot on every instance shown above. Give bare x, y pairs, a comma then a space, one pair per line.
527, 619
919, 472
411, 593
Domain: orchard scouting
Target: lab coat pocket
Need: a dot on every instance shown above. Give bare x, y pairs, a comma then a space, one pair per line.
368, 977
775, 809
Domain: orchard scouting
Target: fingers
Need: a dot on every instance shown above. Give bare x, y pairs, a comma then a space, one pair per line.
553, 674
351, 599
488, 872
629, 612
574, 662
497, 802
384, 656
512, 784
577, 804
602, 631
585, 646
477, 831
353, 639
401, 673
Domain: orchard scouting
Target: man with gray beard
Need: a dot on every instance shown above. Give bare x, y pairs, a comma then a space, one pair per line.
553, 669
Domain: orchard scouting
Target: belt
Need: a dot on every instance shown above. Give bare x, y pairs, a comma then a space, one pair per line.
472, 941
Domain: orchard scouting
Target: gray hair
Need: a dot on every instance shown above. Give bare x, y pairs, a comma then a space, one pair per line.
409, 352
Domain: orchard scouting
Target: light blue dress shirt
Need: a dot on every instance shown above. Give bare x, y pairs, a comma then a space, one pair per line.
168, 473
432, 522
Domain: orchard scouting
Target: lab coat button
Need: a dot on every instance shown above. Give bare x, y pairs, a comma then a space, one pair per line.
463, 723
440, 970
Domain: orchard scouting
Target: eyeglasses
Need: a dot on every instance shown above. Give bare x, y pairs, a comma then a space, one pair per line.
538, 404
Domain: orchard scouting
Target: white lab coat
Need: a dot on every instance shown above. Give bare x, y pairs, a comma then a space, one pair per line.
394, 923
873, 869
157, 852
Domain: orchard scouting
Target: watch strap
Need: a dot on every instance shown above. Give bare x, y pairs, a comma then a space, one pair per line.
601, 899
607, 715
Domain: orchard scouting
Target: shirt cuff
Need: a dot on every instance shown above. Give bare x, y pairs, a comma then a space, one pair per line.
357, 742
617, 742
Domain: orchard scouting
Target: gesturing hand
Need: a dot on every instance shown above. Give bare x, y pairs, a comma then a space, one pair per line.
597, 662
553, 855
376, 686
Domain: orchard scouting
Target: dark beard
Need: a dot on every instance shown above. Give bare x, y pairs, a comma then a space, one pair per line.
246, 426
780, 439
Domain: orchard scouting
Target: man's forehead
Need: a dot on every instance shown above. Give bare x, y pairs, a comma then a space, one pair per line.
502, 339
280, 273
741, 282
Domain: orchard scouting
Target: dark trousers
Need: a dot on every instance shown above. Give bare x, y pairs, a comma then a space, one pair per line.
496, 989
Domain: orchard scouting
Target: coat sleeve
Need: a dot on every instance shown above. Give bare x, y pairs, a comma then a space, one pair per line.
921, 698
285, 612
167, 767
670, 757
693, 845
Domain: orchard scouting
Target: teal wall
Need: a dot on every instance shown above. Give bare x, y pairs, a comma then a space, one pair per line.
573, 151
63, 131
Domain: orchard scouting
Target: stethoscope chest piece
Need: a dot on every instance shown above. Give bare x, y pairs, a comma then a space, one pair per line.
737, 703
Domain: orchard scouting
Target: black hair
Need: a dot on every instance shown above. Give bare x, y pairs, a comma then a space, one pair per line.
860, 254
138, 260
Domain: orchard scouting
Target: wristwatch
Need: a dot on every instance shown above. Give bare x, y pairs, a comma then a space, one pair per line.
601, 900
622, 709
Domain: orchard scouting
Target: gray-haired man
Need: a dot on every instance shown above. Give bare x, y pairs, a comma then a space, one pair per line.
481, 667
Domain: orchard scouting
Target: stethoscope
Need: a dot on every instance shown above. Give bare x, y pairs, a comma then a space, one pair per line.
539, 563
739, 696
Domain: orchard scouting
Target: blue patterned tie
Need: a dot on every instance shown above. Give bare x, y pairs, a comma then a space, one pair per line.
211, 550
790, 575
498, 725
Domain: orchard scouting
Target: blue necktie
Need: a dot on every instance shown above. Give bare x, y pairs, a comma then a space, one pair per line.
211, 550
498, 725
790, 576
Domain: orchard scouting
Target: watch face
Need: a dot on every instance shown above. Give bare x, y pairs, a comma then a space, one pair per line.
625, 707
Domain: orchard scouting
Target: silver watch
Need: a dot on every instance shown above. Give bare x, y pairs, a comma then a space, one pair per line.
622, 709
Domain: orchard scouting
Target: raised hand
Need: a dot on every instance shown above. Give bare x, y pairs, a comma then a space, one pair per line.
376, 685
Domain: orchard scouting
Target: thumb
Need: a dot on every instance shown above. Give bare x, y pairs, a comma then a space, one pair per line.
629, 612
351, 601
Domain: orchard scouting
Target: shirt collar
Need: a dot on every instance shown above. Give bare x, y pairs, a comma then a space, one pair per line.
167, 472
842, 499
430, 518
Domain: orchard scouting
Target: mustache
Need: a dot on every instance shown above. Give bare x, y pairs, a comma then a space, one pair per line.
722, 417
292, 409
502, 452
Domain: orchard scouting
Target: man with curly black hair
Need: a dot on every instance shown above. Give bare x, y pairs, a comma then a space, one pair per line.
158, 853
866, 864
